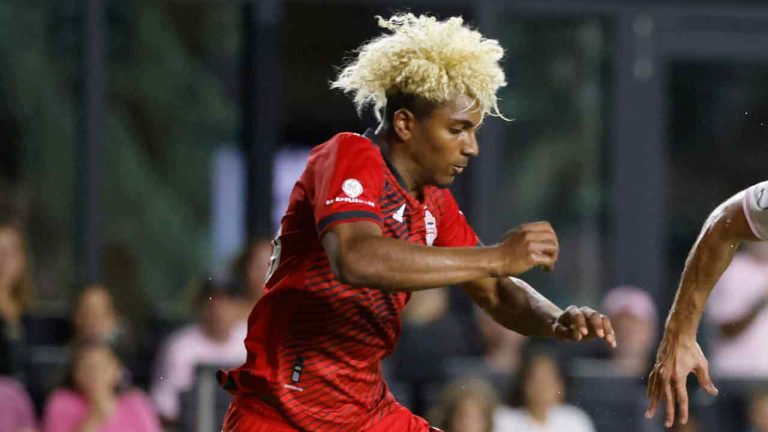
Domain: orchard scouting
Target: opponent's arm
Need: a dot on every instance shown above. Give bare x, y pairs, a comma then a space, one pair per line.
713, 251
360, 255
679, 353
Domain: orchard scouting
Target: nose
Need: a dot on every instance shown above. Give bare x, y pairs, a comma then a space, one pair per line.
471, 148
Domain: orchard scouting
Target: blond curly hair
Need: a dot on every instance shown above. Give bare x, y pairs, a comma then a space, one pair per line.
434, 60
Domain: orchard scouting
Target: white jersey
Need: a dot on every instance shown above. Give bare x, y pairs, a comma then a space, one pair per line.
756, 209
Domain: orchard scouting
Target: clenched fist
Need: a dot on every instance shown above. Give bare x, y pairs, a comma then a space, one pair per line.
527, 246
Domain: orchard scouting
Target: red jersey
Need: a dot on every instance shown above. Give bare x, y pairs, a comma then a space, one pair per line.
315, 344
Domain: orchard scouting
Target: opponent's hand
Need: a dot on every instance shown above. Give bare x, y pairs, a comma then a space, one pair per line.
676, 358
583, 323
527, 246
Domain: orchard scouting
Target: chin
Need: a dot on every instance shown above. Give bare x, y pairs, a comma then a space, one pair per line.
444, 183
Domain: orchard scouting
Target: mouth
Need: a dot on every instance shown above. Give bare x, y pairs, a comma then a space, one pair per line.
458, 169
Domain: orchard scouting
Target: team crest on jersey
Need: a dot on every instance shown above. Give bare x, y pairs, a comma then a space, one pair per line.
762, 198
431, 224
352, 188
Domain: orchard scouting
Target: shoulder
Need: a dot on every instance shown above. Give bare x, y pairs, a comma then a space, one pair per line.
187, 336
347, 145
65, 399
504, 415
135, 398
573, 414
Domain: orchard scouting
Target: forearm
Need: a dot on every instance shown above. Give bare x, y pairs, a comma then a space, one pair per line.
519, 307
393, 264
708, 259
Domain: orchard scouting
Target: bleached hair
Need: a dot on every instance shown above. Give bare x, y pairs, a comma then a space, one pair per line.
434, 60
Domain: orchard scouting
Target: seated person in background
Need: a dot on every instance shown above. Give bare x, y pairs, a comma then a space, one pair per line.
633, 314
500, 355
739, 314
430, 336
465, 405
216, 339
538, 400
758, 411
92, 398
251, 268
17, 414
95, 317
16, 293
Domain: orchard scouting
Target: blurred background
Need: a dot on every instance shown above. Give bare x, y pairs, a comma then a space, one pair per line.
147, 150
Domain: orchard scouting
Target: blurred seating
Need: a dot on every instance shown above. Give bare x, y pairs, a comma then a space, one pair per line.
203, 406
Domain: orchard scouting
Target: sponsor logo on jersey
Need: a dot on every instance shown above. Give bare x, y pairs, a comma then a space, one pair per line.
431, 224
399, 215
348, 200
352, 188
762, 198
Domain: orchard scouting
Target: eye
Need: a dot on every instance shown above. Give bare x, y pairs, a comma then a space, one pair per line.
454, 131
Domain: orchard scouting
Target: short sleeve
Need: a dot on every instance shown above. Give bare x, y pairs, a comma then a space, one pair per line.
756, 209
348, 177
453, 230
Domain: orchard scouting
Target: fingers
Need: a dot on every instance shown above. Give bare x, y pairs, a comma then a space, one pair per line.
702, 374
610, 335
586, 323
543, 261
578, 322
682, 400
669, 402
653, 395
540, 226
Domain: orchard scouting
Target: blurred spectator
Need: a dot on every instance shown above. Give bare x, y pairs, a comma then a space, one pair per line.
217, 339
17, 414
758, 412
16, 294
430, 336
538, 400
94, 398
738, 310
95, 317
500, 357
252, 267
634, 317
502, 348
465, 405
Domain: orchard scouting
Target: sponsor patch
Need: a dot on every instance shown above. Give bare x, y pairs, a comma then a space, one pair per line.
352, 188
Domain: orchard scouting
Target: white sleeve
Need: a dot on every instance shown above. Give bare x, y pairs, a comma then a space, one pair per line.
756, 209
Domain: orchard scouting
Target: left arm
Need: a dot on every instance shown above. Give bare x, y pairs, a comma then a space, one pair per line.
517, 306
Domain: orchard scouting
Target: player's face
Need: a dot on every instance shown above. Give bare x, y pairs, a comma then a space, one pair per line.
443, 142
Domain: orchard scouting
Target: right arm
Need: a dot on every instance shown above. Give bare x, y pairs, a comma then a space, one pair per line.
361, 256
679, 353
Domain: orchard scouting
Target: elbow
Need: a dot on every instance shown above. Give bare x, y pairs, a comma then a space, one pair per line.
349, 269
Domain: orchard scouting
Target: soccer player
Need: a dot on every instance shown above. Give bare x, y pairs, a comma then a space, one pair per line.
744, 216
371, 220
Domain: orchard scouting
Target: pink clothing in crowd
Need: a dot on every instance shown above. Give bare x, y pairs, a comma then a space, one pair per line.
743, 286
16, 410
66, 410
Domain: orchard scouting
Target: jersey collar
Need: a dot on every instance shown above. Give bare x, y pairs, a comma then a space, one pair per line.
370, 134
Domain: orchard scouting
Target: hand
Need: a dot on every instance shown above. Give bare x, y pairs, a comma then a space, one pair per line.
527, 246
583, 323
675, 359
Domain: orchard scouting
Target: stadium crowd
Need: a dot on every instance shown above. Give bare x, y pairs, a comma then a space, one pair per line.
463, 371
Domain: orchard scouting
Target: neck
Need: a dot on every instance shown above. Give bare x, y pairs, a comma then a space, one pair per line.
9, 310
401, 160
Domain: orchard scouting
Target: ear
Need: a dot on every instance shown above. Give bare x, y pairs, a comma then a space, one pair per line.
403, 122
